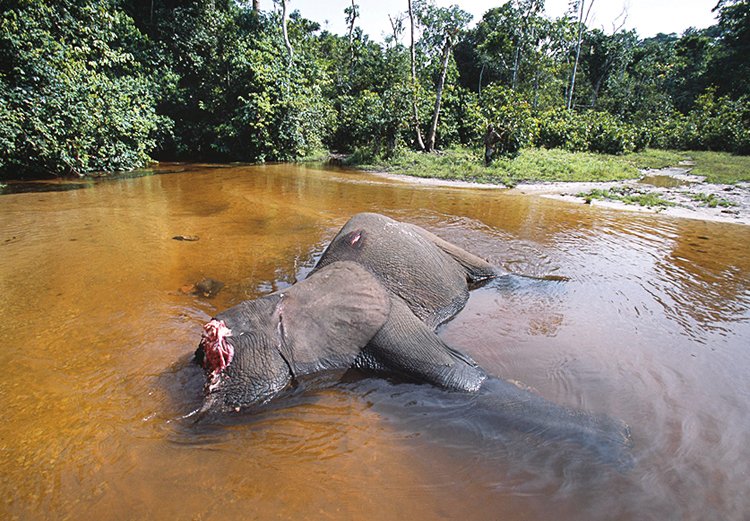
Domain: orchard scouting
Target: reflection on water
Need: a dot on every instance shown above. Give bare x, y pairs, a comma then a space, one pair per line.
652, 327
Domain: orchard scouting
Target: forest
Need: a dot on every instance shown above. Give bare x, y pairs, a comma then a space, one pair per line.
107, 85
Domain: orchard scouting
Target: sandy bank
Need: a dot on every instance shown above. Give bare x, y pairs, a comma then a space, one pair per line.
686, 192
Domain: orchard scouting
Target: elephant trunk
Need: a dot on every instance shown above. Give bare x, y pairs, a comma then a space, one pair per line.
503, 403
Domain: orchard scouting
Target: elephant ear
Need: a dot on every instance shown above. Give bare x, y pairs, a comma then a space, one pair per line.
325, 320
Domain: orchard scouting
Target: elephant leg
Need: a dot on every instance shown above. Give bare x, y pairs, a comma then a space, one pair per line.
477, 269
407, 346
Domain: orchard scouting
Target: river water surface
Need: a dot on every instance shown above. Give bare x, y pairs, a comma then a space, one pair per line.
652, 327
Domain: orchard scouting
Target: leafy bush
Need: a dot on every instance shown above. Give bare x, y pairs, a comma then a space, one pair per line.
78, 102
461, 119
607, 135
670, 132
272, 123
511, 116
589, 131
561, 128
371, 120
10, 127
718, 124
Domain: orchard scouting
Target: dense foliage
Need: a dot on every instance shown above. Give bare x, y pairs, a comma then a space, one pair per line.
101, 85
73, 97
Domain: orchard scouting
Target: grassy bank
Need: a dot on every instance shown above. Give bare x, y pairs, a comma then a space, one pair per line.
721, 167
542, 165
627, 195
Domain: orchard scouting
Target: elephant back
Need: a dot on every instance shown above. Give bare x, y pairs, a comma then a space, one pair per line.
408, 265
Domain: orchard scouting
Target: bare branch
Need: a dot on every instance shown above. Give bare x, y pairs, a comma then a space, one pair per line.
397, 25
622, 18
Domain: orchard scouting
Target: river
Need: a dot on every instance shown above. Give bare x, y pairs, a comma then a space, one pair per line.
652, 327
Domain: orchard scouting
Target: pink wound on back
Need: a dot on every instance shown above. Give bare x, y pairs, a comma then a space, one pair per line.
356, 239
218, 353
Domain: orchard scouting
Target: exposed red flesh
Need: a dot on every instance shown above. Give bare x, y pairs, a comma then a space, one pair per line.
218, 353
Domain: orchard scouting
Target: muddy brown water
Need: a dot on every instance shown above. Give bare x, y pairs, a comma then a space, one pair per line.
653, 327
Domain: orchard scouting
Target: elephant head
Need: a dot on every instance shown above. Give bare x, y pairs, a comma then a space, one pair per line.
253, 350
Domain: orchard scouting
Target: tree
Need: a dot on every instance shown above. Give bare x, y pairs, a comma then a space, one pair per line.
72, 99
604, 56
524, 31
233, 96
284, 28
495, 37
352, 13
442, 26
730, 69
516, 45
397, 27
690, 67
646, 91
549, 62
578, 8
413, 86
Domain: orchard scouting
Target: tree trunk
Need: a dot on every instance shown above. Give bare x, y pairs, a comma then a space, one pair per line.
285, 33
418, 132
578, 50
595, 88
441, 83
256, 5
352, 18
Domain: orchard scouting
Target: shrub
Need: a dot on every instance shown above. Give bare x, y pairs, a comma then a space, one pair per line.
608, 135
371, 120
79, 102
560, 128
511, 116
589, 131
718, 124
461, 119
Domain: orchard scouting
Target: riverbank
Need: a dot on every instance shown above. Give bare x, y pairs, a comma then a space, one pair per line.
698, 185
670, 191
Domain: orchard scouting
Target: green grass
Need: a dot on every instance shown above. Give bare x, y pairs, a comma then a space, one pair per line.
654, 158
531, 165
627, 195
711, 200
721, 167
316, 155
540, 165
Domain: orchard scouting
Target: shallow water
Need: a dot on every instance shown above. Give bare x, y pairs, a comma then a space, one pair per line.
652, 327
664, 181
